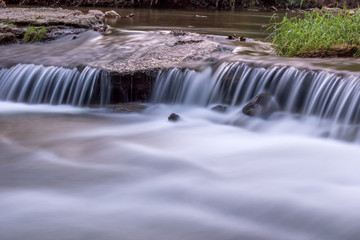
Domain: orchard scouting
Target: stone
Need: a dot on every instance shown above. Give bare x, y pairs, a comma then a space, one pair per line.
273, 8
112, 14
262, 105
7, 38
219, 108
129, 108
97, 13
174, 117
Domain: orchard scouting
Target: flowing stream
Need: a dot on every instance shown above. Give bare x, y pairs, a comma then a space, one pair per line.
73, 168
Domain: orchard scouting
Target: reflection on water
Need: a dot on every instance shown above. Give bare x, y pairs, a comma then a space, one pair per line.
250, 24
88, 174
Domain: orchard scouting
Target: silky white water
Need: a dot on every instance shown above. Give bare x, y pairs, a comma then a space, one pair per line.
75, 173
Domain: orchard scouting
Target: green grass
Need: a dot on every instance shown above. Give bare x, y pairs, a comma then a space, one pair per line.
316, 32
33, 34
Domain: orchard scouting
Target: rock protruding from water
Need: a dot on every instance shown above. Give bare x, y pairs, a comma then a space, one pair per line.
97, 13
262, 105
112, 14
174, 117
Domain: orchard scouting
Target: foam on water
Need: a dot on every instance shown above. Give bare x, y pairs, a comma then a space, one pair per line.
138, 176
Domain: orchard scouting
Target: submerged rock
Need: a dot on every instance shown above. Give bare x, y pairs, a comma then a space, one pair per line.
219, 108
262, 105
174, 117
112, 14
129, 108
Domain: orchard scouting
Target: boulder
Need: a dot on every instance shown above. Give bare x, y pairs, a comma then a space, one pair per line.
97, 13
112, 14
174, 117
262, 105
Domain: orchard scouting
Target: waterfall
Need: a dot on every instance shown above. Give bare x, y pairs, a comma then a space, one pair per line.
326, 96
37, 84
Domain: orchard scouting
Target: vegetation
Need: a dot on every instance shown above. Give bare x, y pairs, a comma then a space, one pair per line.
33, 34
318, 33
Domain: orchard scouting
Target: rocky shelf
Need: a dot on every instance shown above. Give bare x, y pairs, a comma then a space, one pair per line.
57, 22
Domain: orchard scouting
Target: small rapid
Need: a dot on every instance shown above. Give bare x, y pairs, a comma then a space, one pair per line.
332, 99
37, 84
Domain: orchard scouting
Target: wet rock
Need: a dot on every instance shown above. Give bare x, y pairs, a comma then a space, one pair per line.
187, 42
235, 37
112, 14
97, 13
174, 117
129, 108
219, 108
178, 33
9, 34
262, 105
7, 38
272, 8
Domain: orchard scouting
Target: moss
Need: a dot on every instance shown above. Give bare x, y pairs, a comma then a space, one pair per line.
33, 34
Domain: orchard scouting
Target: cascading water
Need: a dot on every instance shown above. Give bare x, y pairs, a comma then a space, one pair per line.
37, 84
332, 99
